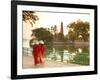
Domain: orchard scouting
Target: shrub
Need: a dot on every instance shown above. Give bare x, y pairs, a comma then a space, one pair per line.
82, 59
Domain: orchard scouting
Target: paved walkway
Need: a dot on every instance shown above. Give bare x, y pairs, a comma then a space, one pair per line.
29, 63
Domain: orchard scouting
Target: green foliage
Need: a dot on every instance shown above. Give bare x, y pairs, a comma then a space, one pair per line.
71, 35
79, 30
43, 34
82, 59
71, 48
61, 36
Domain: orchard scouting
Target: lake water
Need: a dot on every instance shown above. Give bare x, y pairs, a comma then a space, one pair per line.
64, 53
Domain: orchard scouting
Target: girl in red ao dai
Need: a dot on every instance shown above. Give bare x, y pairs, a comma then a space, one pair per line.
41, 51
36, 52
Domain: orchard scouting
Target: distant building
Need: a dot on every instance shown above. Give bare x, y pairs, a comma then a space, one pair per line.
61, 30
54, 31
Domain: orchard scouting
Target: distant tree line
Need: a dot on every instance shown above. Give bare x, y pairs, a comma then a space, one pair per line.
78, 30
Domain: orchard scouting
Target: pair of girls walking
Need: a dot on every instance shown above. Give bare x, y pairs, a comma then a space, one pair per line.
38, 52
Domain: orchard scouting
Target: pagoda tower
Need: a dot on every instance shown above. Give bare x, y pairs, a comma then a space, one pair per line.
61, 30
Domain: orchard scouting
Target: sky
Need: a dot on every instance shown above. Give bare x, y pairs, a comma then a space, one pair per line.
48, 19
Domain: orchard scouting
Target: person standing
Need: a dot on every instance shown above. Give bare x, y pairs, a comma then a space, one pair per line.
36, 52
41, 51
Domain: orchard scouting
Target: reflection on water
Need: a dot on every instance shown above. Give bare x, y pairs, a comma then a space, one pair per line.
69, 53
65, 53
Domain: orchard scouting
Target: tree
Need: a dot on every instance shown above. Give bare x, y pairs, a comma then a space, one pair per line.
79, 30
71, 35
30, 16
61, 36
43, 34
